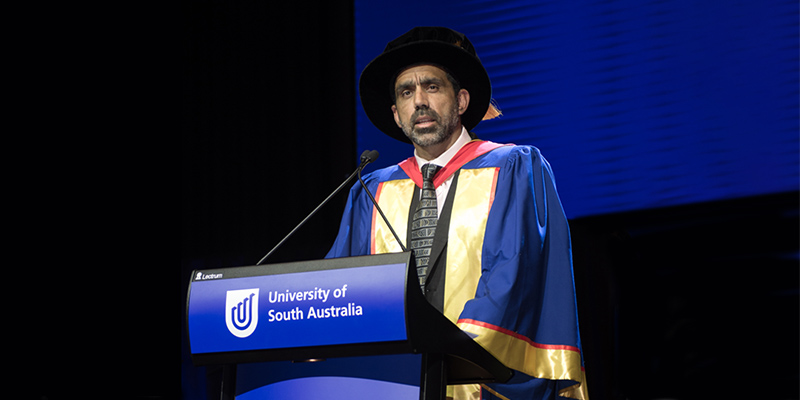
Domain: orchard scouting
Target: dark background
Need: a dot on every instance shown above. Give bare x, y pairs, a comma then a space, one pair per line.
687, 301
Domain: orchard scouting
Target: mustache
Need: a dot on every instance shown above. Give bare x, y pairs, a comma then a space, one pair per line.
425, 112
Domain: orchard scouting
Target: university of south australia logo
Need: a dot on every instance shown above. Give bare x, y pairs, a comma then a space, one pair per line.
241, 312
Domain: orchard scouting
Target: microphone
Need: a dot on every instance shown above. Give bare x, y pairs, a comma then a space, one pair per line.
367, 157
372, 156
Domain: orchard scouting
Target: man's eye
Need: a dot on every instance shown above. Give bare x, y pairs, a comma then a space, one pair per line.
433, 87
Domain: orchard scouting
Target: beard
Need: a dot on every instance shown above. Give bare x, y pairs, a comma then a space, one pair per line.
435, 134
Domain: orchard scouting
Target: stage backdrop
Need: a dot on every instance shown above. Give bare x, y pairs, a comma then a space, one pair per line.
635, 104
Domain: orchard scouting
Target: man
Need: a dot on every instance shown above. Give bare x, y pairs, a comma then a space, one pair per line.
493, 247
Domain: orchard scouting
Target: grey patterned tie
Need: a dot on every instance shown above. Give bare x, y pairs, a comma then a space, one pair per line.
423, 224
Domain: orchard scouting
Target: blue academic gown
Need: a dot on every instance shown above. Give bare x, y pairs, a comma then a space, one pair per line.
508, 275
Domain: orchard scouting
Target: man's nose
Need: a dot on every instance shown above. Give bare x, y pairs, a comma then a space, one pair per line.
420, 99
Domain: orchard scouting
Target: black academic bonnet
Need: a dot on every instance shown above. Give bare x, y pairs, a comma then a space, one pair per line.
439, 46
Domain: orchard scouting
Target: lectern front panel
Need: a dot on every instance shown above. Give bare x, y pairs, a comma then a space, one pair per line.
363, 304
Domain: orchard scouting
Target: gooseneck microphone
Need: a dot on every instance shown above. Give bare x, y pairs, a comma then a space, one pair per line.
367, 157
372, 156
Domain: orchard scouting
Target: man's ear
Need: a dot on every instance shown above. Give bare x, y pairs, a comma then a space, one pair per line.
396, 117
463, 101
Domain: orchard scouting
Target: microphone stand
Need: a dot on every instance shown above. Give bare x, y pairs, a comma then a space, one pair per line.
400, 242
364, 162
367, 157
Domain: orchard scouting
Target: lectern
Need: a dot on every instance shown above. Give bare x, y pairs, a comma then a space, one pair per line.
363, 318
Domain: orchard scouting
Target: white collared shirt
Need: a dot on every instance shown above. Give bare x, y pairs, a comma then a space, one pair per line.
442, 160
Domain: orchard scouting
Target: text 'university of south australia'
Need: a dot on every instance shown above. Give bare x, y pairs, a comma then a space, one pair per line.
316, 295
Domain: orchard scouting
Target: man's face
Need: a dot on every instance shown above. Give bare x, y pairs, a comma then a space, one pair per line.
426, 107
